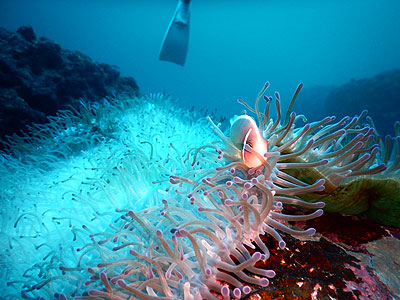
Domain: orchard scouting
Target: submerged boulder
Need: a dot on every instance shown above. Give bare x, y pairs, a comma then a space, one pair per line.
38, 78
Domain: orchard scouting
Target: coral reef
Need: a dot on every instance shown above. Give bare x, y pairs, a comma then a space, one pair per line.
38, 77
152, 205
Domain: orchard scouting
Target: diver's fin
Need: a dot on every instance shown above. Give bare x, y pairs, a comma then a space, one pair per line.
175, 44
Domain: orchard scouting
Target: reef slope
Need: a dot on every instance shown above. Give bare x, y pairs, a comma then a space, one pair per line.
38, 78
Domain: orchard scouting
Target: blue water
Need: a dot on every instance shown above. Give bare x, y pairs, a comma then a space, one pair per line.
235, 46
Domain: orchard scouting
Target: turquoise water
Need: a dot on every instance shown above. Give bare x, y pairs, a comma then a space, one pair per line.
235, 46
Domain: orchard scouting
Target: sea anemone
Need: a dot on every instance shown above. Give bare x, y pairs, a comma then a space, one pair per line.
64, 180
360, 170
155, 207
205, 239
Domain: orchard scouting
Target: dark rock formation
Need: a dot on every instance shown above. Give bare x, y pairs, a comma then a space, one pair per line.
38, 77
380, 95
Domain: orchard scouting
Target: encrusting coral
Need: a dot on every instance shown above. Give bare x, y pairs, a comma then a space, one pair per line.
196, 233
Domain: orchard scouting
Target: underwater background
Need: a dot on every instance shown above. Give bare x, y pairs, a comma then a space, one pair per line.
145, 179
234, 45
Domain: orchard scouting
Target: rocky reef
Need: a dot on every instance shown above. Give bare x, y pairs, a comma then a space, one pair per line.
38, 78
378, 94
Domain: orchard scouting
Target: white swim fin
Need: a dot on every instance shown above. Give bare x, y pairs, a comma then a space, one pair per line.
176, 40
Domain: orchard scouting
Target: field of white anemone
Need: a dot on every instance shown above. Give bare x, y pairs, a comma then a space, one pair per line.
141, 199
